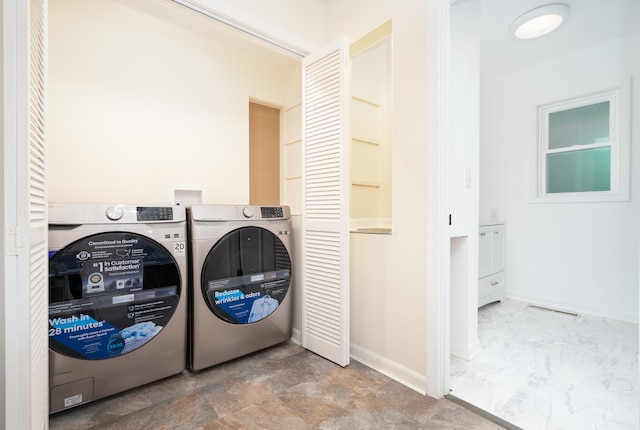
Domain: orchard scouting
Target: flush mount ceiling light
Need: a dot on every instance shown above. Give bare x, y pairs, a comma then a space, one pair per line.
539, 21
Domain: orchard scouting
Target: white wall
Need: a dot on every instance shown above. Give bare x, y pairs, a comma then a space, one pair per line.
465, 113
143, 98
389, 272
581, 257
464, 175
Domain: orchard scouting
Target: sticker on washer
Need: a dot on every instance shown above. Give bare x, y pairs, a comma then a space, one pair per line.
179, 249
248, 299
73, 400
126, 328
109, 294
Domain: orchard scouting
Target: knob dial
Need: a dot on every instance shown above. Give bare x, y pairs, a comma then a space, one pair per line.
114, 213
247, 212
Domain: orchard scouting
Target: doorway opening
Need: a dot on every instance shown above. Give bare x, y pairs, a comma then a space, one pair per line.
264, 154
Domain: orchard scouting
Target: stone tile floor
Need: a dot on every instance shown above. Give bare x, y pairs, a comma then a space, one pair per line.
540, 369
283, 387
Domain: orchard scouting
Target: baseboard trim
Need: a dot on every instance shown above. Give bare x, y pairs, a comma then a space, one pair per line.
571, 307
296, 336
399, 373
393, 370
466, 352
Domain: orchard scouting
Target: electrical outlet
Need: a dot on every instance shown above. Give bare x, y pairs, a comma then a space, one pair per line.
467, 177
493, 215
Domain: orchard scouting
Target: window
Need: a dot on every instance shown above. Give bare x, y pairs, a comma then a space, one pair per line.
581, 143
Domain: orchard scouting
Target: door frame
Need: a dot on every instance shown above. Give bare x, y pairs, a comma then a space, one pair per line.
438, 248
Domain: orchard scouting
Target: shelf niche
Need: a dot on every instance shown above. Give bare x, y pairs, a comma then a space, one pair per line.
371, 132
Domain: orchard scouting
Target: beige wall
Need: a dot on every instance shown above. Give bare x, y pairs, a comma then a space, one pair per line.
389, 272
300, 22
291, 174
140, 103
143, 98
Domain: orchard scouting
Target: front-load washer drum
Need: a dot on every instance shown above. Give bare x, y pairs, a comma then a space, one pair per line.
110, 294
246, 275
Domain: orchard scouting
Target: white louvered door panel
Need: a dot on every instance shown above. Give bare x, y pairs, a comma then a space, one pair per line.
27, 405
25, 262
325, 204
38, 261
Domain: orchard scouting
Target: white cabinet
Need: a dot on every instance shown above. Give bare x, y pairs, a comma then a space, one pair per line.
492, 264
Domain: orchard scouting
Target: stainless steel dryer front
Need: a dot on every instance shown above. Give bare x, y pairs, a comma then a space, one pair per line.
117, 299
240, 279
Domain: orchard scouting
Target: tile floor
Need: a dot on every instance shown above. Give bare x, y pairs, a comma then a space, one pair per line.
540, 369
284, 387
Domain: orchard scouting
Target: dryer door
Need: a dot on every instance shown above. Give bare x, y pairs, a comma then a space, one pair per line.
246, 275
109, 294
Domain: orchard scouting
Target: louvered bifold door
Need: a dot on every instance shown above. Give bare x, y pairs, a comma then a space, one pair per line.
24, 269
38, 261
325, 204
31, 200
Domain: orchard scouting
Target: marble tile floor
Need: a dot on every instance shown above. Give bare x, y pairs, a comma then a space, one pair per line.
284, 387
540, 369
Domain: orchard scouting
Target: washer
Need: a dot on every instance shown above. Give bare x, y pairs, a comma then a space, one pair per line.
240, 280
117, 299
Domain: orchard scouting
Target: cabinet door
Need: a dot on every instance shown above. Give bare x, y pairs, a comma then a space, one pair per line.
484, 251
497, 248
491, 289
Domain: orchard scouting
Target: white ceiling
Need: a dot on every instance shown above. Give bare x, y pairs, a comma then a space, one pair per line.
591, 22
179, 15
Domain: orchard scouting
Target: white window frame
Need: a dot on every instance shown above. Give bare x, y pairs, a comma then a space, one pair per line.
619, 126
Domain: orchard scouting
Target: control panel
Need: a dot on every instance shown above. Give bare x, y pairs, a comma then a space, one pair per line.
271, 212
151, 213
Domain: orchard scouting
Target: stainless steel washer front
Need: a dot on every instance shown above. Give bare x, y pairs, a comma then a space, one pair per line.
117, 299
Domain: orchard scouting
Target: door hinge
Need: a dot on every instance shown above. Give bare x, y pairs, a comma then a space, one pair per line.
449, 219
16, 240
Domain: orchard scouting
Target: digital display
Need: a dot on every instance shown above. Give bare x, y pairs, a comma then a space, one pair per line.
271, 212
154, 213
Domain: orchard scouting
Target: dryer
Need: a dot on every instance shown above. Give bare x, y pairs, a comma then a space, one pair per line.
240, 281
117, 299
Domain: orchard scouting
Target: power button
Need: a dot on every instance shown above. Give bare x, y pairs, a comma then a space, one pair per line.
247, 212
114, 213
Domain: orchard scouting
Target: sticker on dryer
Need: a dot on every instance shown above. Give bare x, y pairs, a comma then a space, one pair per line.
248, 299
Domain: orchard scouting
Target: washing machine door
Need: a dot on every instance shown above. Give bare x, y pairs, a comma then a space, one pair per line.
110, 294
246, 275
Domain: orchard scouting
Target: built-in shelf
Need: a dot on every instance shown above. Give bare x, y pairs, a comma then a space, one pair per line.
371, 134
365, 141
362, 100
369, 184
372, 230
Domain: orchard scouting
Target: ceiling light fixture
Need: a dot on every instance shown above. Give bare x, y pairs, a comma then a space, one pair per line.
539, 21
